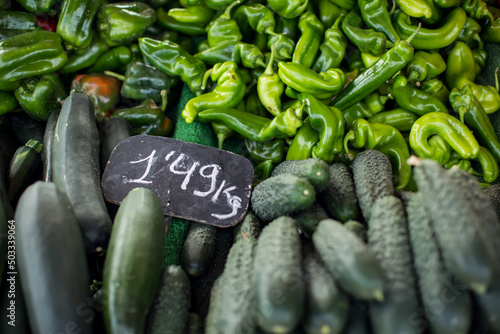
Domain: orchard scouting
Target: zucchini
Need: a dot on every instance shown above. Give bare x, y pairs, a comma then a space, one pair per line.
23, 169
195, 324
133, 262
308, 219
51, 260
493, 194
447, 309
351, 262
232, 302
327, 307
388, 239
198, 249
315, 170
170, 309
278, 273
358, 229
113, 130
76, 169
249, 227
372, 174
48, 145
339, 197
463, 247
280, 195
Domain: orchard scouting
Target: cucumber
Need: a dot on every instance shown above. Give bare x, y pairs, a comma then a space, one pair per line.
170, 309
308, 219
447, 309
195, 324
278, 285
358, 229
23, 169
327, 307
76, 169
113, 130
351, 262
51, 260
280, 195
315, 170
249, 227
232, 302
372, 174
48, 145
133, 262
339, 197
493, 194
388, 239
464, 251
198, 249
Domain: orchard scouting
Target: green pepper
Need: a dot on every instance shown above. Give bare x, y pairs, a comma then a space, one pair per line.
477, 9
218, 4
174, 61
356, 111
199, 14
15, 23
283, 44
322, 85
224, 29
228, 93
355, 61
385, 139
246, 54
40, 96
29, 54
9, 102
255, 17
491, 33
310, 39
425, 65
253, 104
436, 88
376, 102
288, 9
262, 171
288, 27
273, 150
367, 40
399, 118
376, 16
332, 50
470, 32
40, 7
428, 38
170, 23
303, 142
488, 163
75, 23
450, 129
80, 61
475, 117
328, 12
270, 88
447, 3
114, 59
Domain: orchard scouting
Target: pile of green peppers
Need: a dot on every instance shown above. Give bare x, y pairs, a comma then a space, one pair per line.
295, 79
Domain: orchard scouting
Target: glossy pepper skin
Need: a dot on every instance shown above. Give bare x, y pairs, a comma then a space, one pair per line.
491, 33
146, 119
75, 23
249, 55
228, 93
29, 54
367, 40
436, 88
122, 23
376, 16
303, 142
415, 8
332, 49
224, 29
9, 101
39, 7
270, 88
470, 31
450, 129
255, 17
40, 96
288, 27
302, 79
489, 165
114, 59
170, 23
262, 171
15, 23
80, 61
425, 65
174, 61
288, 9
273, 150
310, 39
356, 111
198, 14
399, 118
473, 115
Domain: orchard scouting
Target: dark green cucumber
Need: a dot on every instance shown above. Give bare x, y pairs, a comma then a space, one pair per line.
493, 194
48, 145
327, 307
195, 324
133, 262
309, 218
76, 169
315, 170
372, 174
51, 260
465, 253
351, 262
278, 273
283, 194
388, 239
358, 229
249, 227
170, 309
447, 309
23, 169
113, 130
198, 249
339, 197
232, 301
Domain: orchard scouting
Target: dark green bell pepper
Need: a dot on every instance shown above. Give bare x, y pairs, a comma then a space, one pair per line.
80, 61
15, 23
425, 65
303, 142
40, 7
273, 150
332, 49
9, 101
146, 119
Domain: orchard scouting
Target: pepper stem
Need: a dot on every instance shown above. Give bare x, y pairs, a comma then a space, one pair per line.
462, 111
164, 100
497, 86
116, 75
412, 36
207, 74
270, 69
348, 137
227, 13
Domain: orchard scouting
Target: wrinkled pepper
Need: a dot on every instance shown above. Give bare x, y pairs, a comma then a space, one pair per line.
415, 8
224, 29
198, 14
40, 7
356, 111
376, 16
273, 150
80, 61
270, 88
399, 118
15, 22
288, 27
332, 49
288, 9
470, 32
489, 165
425, 65
376, 102
310, 39
170, 23
114, 59
477, 9
303, 142
255, 17
367, 40
262, 171
283, 44
436, 88
215, 4
249, 55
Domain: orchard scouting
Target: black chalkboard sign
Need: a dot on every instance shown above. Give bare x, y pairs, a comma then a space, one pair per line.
194, 182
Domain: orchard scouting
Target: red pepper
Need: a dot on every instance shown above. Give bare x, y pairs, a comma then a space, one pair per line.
103, 90
48, 23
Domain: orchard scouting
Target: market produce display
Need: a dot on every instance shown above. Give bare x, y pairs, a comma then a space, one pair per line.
372, 127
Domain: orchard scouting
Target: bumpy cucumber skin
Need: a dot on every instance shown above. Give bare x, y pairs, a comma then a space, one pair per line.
278, 284
315, 170
134, 259
493, 194
280, 195
48, 146
51, 260
232, 308
76, 170
465, 253
339, 197
170, 310
388, 239
351, 262
309, 218
372, 174
453, 313
249, 227
198, 249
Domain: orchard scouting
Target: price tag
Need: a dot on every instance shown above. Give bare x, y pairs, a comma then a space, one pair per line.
194, 182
